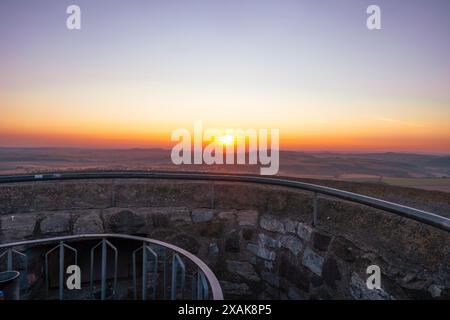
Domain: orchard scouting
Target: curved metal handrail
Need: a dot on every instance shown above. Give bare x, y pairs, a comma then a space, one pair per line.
428, 218
210, 276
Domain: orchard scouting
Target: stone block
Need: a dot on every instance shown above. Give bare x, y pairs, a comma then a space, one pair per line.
243, 269
320, 241
344, 249
186, 242
235, 289
247, 217
232, 243
271, 279
17, 227
202, 215
359, 290
304, 231
266, 254
266, 241
88, 223
291, 243
313, 261
123, 221
330, 272
290, 225
54, 224
270, 223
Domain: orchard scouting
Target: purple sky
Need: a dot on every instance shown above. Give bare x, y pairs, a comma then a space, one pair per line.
308, 59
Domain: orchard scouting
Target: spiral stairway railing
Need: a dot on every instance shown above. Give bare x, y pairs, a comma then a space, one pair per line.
157, 258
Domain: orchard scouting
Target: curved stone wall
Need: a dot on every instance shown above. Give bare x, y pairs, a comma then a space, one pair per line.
259, 240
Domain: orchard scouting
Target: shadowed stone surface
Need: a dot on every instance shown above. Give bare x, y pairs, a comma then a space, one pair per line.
263, 232
55, 224
247, 217
359, 290
330, 272
235, 289
88, 223
242, 268
292, 243
321, 241
17, 227
124, 221
202, 215
186, 242
270, 223
304, 231
232, 243
290, 225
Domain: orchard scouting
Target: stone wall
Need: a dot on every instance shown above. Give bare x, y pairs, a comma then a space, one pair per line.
259, 240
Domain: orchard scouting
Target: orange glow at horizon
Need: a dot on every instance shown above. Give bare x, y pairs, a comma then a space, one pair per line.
32, 121
327, 141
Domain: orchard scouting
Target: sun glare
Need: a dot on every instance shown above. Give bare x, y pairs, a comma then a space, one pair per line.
226, 139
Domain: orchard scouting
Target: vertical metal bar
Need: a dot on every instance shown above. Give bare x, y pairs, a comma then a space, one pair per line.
116, 253
91, 275
204, 286
46, 265
155, 275
164, 273
183, 277
61, 270
104, 255
23, 276
174, 278
134, 275
46, 274
154, 269
9, 261
176, 261
199, 288
144, 272
315, 209
116, 266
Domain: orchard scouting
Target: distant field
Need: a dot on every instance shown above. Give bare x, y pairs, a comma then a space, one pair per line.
428, 172
442, 184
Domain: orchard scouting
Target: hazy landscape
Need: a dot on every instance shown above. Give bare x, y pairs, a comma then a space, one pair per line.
431, 172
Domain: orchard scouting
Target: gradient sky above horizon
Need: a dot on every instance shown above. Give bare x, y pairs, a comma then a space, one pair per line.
139, 69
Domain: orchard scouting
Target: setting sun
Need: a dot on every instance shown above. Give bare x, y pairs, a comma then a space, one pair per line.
226, 139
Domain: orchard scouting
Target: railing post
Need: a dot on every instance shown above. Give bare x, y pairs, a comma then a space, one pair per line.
164, 273
144, 271
91, 274
199, 286
176, 261
133, 258
103, 280
174, 279
204, 285
61, 270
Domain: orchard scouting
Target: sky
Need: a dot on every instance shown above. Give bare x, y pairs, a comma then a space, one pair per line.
139, 69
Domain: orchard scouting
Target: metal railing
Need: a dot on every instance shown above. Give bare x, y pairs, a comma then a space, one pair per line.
425, 217
203, 279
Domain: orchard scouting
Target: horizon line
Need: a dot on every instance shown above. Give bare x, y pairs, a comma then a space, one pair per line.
281, 150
